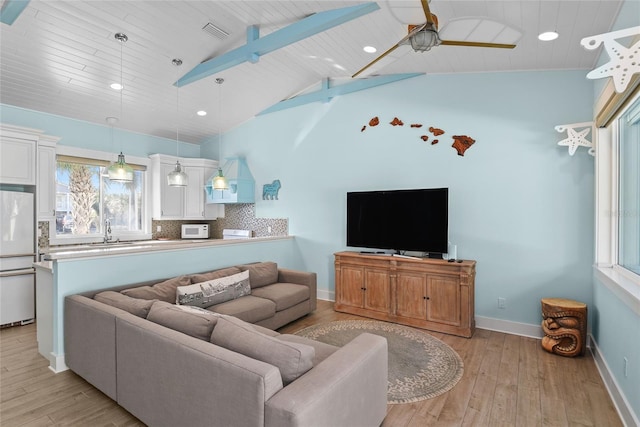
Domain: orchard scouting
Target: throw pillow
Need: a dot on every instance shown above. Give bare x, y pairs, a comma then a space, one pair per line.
139, 307
164, 291
261, 273
193, 321
214, 291
292, 359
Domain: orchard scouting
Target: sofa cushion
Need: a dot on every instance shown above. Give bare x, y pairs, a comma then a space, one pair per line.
215, 274
139, 307
285, 295
261, 273
164, 291
322, 350
214, 291
292, 359
192, 321
248, 308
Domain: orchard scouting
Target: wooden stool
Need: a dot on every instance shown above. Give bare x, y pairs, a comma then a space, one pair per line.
564, 326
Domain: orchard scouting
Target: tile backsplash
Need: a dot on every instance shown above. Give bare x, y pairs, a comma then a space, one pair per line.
237, 216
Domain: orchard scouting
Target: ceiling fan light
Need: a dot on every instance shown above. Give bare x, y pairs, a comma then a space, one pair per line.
120, 171
177, 178
424, 40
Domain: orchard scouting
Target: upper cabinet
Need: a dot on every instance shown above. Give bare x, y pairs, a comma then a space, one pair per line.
181, 202
17, 156
242, 187
46, 186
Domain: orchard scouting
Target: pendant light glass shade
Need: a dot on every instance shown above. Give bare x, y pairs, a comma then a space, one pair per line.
120, 171
177, 178
220, 182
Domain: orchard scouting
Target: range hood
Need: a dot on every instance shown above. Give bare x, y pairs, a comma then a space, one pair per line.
241, 183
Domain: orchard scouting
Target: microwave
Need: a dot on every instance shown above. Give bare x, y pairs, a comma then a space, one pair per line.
195, 231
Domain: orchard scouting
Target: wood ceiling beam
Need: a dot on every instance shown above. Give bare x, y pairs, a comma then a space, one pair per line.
257, 46
327, 92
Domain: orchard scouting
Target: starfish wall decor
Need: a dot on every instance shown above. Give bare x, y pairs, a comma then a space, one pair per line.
577, 138
623, 62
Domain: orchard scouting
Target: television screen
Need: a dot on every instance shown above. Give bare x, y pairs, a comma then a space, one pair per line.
402, 220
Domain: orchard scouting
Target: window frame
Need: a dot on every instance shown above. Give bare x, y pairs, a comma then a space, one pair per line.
145, 234
620, 280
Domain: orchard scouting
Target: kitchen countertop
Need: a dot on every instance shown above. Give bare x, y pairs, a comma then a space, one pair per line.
60, 253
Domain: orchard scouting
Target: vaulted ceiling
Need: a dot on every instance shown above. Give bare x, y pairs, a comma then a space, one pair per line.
60, 57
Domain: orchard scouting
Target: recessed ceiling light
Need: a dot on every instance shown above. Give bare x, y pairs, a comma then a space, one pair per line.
201, 113
548, 36
370, 49
116, 86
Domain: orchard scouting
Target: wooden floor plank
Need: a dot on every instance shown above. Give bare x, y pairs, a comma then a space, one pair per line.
508, 381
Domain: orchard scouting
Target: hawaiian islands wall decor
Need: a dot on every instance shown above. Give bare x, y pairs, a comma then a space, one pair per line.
461, 143
270, 191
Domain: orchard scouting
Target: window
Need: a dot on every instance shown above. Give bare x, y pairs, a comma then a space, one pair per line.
86, 197
628, 126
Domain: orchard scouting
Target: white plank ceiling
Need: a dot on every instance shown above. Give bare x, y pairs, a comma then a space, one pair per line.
61, 56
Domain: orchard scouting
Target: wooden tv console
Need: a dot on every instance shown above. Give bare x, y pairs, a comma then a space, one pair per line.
430, 294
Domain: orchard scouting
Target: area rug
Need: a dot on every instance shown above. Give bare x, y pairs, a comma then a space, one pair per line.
420, 366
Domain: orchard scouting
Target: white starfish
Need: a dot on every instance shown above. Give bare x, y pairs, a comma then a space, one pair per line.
623, 61
575, 139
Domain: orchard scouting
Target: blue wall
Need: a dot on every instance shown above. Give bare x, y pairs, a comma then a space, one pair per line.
519, 204
78, 133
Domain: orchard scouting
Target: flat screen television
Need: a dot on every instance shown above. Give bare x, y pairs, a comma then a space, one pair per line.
402, 220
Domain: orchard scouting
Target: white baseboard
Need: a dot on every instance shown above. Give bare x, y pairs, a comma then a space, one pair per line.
57, 363
509, 327
629, 418
326, 295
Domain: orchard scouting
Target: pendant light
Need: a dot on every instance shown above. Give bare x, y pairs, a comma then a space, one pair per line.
219, 182
177, 178
120, 171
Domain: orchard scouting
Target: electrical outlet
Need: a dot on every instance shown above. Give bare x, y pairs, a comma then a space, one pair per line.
502, 302
158, 229
626, 367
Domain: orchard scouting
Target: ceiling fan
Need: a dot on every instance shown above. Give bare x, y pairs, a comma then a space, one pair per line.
425, 36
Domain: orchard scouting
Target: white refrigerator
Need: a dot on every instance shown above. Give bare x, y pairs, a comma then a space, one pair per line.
17, 254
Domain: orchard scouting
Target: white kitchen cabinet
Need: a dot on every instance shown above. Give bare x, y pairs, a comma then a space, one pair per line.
181, 202
46, 183
17, 158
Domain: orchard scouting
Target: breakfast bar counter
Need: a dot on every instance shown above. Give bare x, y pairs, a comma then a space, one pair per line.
71, 270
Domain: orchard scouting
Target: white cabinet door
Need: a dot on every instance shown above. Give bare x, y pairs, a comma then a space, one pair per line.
17, 161
194, 192
171, 198
46, 188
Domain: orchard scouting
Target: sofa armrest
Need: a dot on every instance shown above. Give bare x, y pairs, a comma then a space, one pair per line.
301, 278
348, 388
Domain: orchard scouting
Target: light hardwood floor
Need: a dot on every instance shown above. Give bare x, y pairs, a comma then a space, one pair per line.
508, 381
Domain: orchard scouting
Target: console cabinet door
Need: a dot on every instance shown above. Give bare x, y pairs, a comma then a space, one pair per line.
351, 287
443, 303
411, 296
171, 198
377, 290
46, 188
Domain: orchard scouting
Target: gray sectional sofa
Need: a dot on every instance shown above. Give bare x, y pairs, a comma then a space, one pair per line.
223, 365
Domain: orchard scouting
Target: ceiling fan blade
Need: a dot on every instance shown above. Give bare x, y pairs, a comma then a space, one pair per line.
391, 49
388, 51
427, 12
477, 44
